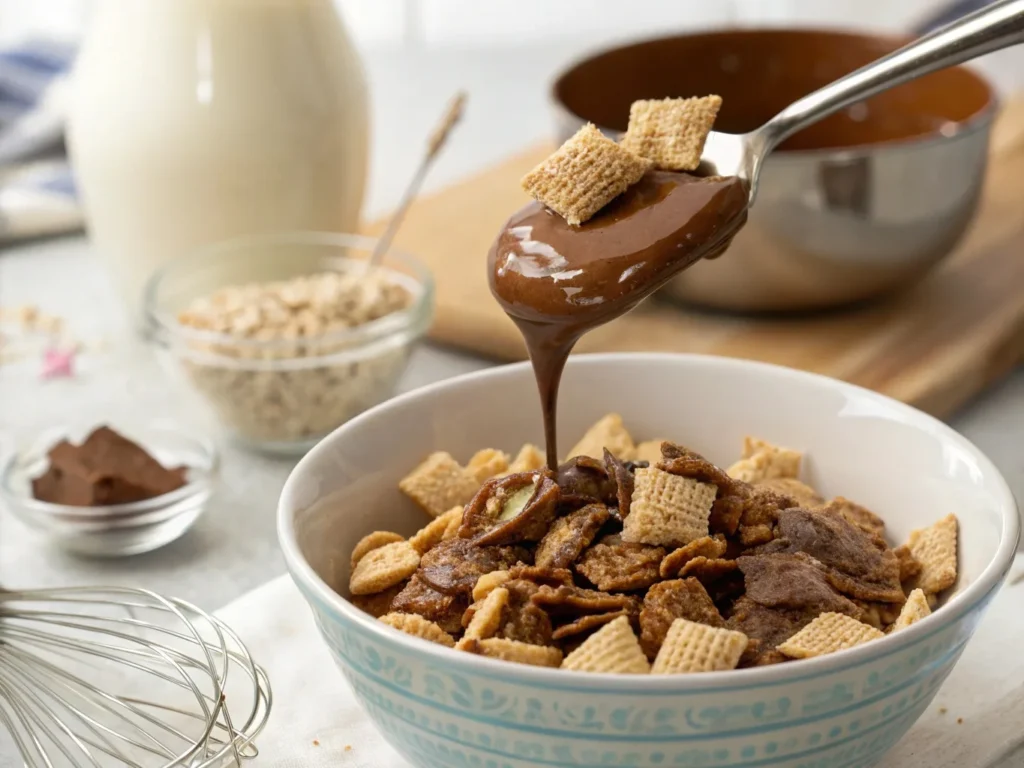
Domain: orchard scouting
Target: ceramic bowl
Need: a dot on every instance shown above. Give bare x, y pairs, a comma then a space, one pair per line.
442, 708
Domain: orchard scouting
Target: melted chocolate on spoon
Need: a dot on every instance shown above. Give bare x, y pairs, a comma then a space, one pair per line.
557, 281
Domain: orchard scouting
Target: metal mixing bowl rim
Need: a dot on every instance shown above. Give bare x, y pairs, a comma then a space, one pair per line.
979, 121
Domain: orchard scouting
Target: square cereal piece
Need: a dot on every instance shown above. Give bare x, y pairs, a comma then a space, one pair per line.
514, 650
529, 458
692, 647
763, 461
417, 626
439, 483
487, 617
487, 463
671, 132
935, 548
608, 432
383, 567
583, 175
430, 535
667, 510
613, 648
915, 609
489, 582
828, 633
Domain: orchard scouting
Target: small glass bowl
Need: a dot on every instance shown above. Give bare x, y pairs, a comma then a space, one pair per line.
283, 395
116, 530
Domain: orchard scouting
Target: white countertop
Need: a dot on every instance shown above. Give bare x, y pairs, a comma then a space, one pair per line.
232, 549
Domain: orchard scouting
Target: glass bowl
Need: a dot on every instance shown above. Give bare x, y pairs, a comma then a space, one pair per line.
114, 530
282, 395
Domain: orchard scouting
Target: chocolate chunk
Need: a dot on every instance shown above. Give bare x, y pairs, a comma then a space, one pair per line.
511, 509
667, 601
105, 469
452, 567
621, 566
769, 626
420, 598
793, 581
570, 535
860, 564
583, 480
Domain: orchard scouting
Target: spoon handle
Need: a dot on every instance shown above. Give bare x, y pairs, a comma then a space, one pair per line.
994, 27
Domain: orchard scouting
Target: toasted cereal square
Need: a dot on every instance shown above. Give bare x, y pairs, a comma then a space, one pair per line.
915, 609
413, 624
671, 132
692, 647
370, 542
763, 461
383, 567
935, 548
487, 463
487, 617
439, 483
514, 650
583, 175
529, 458
608, 432
613, 648
430, 535
488, 582
667, 510
828, 633
649, 451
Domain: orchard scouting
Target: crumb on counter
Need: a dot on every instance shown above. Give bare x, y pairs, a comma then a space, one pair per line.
348, 747
943, 710
316, 742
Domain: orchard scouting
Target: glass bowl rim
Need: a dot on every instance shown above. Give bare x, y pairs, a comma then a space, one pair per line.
22, 503
164, 328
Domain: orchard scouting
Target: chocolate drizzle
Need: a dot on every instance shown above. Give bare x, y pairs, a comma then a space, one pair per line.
557, 282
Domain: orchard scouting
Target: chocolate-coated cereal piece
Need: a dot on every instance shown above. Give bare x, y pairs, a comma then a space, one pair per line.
621, 567
667, 601
420, 598
584, 624
569, 536
453, 567
710, 547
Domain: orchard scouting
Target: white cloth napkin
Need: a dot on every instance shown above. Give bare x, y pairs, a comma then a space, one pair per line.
974, 722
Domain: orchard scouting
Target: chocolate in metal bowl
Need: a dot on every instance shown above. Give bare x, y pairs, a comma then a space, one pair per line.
856, 206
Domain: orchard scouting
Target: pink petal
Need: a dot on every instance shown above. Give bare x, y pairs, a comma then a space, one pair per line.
58, 363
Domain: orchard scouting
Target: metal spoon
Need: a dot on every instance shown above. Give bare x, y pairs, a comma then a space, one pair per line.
1000, 25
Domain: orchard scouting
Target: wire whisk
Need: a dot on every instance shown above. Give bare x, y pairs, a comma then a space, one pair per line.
109, 677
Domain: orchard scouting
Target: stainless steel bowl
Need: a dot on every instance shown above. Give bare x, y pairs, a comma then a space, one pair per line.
858, 206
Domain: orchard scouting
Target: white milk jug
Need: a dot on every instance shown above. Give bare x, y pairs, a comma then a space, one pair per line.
194, 121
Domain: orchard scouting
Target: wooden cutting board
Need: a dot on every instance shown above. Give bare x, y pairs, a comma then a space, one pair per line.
934, 346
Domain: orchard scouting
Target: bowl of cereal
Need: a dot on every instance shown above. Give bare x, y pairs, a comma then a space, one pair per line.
287, 336
794, 594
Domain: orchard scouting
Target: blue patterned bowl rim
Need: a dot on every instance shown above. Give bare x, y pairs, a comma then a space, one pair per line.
324, 599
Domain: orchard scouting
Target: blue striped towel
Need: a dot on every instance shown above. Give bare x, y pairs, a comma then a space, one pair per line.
37, 191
